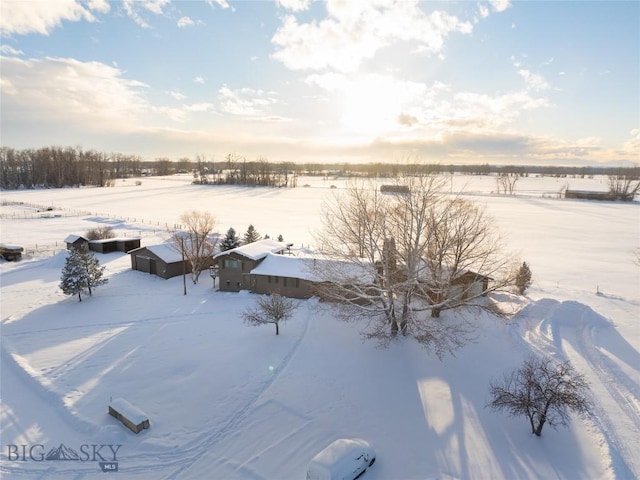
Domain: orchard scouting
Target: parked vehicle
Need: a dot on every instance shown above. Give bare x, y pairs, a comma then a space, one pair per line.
344, 459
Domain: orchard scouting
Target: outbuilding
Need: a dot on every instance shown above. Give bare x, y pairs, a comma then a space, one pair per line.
11, 253
76, 241
163, 260
108, 245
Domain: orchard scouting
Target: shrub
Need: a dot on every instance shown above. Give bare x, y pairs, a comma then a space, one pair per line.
100, 233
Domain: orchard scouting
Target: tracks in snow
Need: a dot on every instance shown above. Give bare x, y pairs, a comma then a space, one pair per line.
568, 331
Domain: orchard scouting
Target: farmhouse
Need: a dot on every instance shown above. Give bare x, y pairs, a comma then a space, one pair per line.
162, 260
235, 265
286, 275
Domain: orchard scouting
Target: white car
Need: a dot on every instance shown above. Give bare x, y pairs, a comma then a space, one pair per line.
344, 459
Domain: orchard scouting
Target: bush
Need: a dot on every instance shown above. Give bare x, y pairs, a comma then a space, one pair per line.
100, 233
523, 278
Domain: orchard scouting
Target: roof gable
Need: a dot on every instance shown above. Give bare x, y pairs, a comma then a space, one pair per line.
164, 251
74, 238
257, 250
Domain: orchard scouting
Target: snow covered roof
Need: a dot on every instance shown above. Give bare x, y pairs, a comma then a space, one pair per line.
286, 266
315, 268
115, 239
257, 250
164, 251
73, 238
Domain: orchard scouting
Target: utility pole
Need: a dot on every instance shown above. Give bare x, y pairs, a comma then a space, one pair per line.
184, 266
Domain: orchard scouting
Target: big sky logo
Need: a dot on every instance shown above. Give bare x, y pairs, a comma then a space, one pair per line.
105, 454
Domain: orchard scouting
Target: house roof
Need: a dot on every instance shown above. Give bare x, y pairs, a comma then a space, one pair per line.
315, 268
286, 266
164, 251
257, 250
74, 238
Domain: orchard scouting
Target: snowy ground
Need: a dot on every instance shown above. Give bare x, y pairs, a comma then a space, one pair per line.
227, 401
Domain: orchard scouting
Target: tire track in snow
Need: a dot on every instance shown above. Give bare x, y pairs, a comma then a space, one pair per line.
180, 461
575, 324
240, 415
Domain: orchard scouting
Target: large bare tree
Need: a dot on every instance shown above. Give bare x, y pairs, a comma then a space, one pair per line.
544, 391
400, 259
195, 240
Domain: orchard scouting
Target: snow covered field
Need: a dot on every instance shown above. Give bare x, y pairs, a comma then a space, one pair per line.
228, 401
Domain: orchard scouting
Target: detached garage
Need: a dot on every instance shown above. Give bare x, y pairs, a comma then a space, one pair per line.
161, 260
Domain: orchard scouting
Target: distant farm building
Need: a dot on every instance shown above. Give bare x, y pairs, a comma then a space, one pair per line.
11, 253
588, 195
163, 260
403, 189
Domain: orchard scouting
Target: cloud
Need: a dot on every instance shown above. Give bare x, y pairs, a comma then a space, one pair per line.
20, 17
294, 5
84, 93
177, 95
134, 8
632, 146
356, 31
245, 101
220, 3
199, 107
533, 81
374, 105
500, 5
408, 120
185, 22
198, 79
9, 50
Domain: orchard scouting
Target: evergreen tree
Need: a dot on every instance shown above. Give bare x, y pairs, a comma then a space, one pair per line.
231, 240
251, 235
280, 238
73, 279
93, 270
82, 271
523, 278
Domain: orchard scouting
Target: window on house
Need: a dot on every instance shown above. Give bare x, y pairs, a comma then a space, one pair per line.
232, 263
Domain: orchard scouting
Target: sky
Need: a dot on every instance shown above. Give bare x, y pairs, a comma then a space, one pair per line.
531, 82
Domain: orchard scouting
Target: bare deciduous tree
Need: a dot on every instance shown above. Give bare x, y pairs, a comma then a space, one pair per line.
396, 258
542, 390
507, 183
100, 233
624, 186
272, 308
195, 240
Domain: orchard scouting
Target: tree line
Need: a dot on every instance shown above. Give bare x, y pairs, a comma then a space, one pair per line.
58, 166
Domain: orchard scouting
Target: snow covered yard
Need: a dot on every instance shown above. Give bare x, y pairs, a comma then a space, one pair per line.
228, 401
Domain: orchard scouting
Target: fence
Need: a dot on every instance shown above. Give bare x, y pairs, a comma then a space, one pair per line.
49, 211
